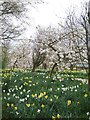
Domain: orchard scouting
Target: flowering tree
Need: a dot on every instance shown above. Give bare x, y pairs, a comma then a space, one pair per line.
11, 12
38, 57
49, 38
8, 10
21, 55
76, 32
89, 45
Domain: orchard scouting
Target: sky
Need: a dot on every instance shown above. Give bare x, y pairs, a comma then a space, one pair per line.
47, 13
51, 12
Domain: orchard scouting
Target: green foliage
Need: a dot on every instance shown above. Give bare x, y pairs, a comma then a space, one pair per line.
4, 59
19, 85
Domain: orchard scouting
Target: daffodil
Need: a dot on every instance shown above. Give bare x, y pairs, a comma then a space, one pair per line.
43, 76
41, 94
36, 82
80, 83
35, 95
58, 116
78, 102
3, 83
5, 75
33, 84
42, 105
8, 104
30, 81
38, 111
44, 93
69, 102
26, 83
15, 108
57, 97
12, 105
47, 77
21, 79
32, 95
85, 95
33, 104
67, 75
28, 105
10, 77
51, 100
53, 117
46, 96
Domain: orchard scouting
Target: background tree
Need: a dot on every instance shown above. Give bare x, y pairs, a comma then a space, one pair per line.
38, 56
11, 12
8, 10
89, 45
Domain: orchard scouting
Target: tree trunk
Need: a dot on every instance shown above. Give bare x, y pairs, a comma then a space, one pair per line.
33, 69
71, 67
57, 69
89, 47
53, 69
44, 66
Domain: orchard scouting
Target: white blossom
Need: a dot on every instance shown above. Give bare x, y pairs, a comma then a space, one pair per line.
8, 94
3, 90
38, 110
21, 93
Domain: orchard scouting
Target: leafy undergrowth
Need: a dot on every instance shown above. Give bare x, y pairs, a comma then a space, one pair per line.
35, 95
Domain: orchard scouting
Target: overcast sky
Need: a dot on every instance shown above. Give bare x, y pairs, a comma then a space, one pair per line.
50, 12
46, 13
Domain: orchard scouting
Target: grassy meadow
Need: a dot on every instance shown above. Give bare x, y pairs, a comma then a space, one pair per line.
36, 95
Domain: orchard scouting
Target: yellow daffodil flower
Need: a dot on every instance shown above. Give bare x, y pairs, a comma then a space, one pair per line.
58, 116
85, 95
44, 93
41, 94
30, 81
12, 105
78, 102
35, 95
33, 104
32, 95
36, 82
15, 108
57, 97
28, 105
8, 104
46, 96
42, 106
69, 102
10, 78
33, 84
51, 100
53, 117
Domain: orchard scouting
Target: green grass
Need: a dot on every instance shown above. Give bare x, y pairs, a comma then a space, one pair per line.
60, 88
